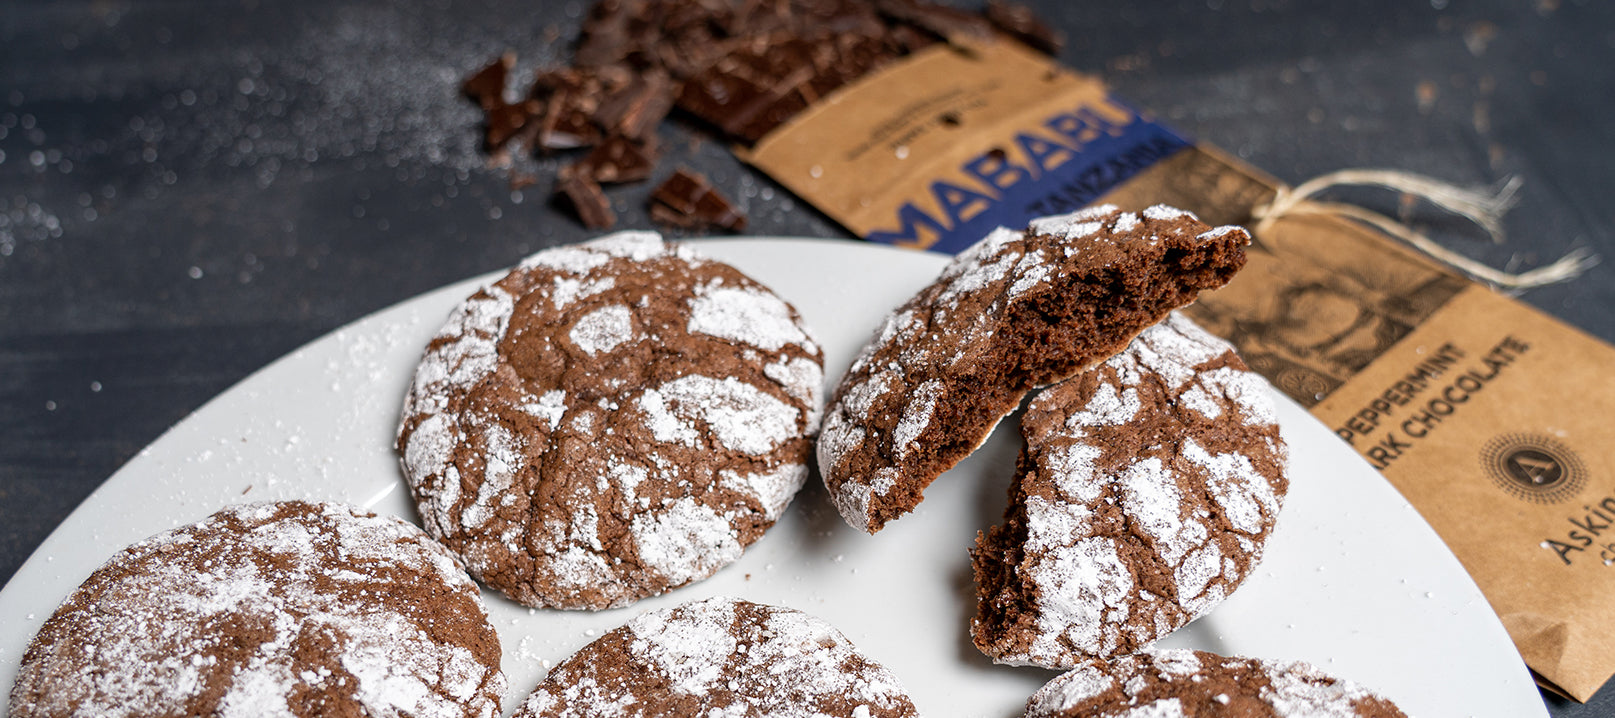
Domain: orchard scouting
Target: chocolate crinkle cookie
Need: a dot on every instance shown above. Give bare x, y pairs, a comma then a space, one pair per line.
276, 609
1194, 684
719, 657
1018, 310
609, 421
1144, 495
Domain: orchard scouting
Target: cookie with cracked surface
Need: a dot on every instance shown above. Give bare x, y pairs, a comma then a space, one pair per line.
609, 421
1197, 683
721, 656
1145, 493
273, 609
1018, 310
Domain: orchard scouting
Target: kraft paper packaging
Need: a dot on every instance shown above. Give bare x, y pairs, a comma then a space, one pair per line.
1486, 414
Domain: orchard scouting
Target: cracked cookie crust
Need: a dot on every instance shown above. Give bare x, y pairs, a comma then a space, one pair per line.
610, 421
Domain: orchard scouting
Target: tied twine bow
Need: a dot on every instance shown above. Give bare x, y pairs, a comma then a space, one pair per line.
1483, 208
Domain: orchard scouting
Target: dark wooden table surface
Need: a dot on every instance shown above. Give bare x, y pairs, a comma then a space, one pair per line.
189, 190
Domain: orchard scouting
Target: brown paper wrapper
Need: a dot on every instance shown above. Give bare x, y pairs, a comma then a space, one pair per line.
1489, 416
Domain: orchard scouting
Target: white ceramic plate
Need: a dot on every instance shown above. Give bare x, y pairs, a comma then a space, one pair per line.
1354, 580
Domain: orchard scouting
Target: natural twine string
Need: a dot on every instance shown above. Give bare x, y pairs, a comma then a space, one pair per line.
1485, 209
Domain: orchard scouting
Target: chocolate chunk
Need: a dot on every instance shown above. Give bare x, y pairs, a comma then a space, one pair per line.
506, 122
619, 159
764, 83
605, 38
745, 67
522, 180
1020, 22
686, 200
636, 110
590, 202
486, 87
501, 120
571, 97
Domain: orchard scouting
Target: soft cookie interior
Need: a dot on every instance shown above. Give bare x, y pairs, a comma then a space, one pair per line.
1016, 311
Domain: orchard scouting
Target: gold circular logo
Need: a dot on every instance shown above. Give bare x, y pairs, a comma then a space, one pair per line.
1534, 467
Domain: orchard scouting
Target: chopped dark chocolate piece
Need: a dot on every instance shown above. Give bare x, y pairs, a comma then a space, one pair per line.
765, 82
590, 202
502, 120
571, 97
637, 109
605, 38
507, 121
743, 66
522, 180
687, 200
486, 87
1020, 22
618, 159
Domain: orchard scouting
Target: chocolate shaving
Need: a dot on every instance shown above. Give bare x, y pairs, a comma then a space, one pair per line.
686, 200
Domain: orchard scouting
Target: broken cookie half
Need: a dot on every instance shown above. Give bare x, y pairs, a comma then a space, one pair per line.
1145, 493
1017, 310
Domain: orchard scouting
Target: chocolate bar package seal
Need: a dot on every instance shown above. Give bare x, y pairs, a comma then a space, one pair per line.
1485, 413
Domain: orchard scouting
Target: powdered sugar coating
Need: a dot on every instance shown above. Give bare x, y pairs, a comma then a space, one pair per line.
611, 420
751, 315
719, 657
603, 329
1119, 464
1016, 310
1184, 682
1081, 223
285, 609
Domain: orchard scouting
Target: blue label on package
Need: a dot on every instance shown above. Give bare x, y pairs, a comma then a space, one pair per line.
1059, 165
